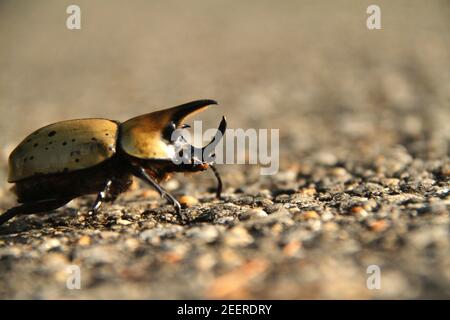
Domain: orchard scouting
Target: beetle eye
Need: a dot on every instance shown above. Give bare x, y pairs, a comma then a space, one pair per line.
167, 132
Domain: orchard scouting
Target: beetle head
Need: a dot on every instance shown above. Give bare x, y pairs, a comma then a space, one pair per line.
157, 136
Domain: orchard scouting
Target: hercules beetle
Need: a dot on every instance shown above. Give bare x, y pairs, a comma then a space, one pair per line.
68, 159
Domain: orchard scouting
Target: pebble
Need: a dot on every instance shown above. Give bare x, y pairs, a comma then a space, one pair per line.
308, 192
390, 182
188, 201
50, 244
254, 213
339, 172
123, 222
207, 233
84, 240
308, 215
172, 185
327, 216
237, 237
379, 225
154, 235
291, 248
325, 158
205, 262
131, 243
230, 257
359, 212
108, 234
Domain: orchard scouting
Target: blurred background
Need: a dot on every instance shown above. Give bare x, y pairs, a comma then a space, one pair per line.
337, 91
310, 68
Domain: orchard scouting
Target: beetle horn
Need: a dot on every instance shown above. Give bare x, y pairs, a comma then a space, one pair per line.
217, 137
179, 113
206, 153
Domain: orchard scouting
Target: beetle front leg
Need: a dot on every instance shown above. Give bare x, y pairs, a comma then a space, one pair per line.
219, 181
141, 173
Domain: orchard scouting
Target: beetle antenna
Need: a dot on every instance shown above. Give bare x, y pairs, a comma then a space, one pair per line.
219, 181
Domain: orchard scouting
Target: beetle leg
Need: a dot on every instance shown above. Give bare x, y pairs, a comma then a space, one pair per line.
219, 181
140, 173
33, 207
102, 196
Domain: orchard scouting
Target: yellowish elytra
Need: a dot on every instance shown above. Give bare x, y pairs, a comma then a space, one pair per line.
64, 146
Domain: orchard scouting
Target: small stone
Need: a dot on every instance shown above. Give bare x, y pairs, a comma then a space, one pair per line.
205, 234
308, 215
308, 192
172, 257
230, 257
330, 227
291, 248
188, 201
172, 185
276, 229
84, 241
123, 222
174, 252
149, 193
390, 182
370, 204
288, 175
153, 235
51, 244
237, 237
314, 224
325, 158
254, 213
55, 261
205, 262
338, 172
294, 210
134, 185
132, 244
233, 284
359, 212
109, 234
378, 226
281, 212
282, 198
327, 216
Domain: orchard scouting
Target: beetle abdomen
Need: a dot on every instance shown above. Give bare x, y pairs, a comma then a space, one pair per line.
62, 147
74, 184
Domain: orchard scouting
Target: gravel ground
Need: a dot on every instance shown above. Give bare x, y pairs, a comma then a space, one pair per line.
364, 149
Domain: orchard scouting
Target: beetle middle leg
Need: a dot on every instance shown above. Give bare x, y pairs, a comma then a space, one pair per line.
33, 207
141, 173
111, 191
102, 196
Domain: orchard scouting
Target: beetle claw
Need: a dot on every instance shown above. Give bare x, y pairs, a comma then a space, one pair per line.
177, 206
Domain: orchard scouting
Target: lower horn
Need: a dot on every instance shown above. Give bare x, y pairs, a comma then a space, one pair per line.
208, 150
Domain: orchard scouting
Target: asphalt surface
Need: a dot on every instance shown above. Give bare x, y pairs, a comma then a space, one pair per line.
364, 172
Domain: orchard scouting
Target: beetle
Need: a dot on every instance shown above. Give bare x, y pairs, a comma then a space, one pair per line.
72, 158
